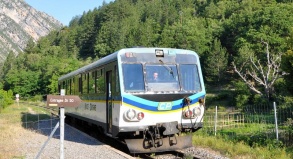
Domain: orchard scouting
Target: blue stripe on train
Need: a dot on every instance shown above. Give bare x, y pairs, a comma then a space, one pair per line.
152, 106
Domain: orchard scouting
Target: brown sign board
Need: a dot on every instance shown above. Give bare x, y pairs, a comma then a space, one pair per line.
63, 101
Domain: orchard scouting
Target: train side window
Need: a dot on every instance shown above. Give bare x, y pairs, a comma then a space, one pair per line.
80, 85
133, 77
100, 82
92, 83
190, 78
63, 85
116, 79
72, 86
84, 84
66, 86
68, 91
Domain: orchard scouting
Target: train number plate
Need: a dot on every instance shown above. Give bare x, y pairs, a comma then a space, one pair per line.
165, 106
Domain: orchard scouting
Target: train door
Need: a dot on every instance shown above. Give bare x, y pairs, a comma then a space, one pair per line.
109, 101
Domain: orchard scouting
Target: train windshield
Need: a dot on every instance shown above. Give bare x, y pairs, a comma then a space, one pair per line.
161, 77
190, 78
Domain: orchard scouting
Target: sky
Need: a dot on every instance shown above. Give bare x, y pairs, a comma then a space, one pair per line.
65, 10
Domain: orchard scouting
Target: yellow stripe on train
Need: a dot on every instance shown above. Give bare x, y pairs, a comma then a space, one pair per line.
162, 111
145, 110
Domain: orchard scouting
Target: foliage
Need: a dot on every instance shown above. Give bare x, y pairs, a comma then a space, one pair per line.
217, 30
215, 63
287, 64
36, 98
241, 94
6, 98
256, 72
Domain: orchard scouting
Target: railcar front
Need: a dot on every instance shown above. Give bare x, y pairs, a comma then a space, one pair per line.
162, 95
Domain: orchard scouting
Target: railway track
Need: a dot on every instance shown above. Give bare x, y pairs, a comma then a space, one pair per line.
120, 145
170, 155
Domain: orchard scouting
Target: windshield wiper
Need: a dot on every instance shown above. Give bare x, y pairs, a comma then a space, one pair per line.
168, 68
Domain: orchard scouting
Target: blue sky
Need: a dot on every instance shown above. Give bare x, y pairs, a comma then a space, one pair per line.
65, 10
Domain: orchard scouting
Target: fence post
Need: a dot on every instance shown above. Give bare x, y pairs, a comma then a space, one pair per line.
276, 121
216, 116
228, 121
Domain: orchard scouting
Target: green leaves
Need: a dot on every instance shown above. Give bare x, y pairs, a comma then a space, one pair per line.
215, 63
6, 98
213, 29
23, 82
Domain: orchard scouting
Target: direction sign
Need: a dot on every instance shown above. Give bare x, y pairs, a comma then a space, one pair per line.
63, 101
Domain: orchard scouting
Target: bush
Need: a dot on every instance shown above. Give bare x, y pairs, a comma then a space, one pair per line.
241, 95
6, 98
37, 98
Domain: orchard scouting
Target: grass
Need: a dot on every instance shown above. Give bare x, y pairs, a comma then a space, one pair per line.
12, 127
240, 150
252, 139
248, 140
13, 117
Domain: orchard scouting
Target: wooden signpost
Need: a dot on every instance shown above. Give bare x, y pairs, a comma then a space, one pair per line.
62, 101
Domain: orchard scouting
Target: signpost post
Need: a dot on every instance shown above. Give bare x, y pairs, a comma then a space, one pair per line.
17, 99
61, 102
62, 117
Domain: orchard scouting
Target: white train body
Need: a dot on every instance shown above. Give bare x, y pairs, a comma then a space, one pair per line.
120, 96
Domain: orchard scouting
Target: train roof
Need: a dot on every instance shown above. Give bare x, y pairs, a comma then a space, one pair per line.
113, 57
99, 62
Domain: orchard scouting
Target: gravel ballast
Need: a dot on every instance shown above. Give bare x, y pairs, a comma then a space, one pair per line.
77, 145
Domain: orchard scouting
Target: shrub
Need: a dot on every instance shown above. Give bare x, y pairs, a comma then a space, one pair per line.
37, 98
241, 95
6, 98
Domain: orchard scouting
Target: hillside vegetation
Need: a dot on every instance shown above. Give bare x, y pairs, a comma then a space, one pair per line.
221, 32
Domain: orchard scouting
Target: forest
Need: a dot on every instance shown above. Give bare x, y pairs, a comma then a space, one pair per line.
245, 46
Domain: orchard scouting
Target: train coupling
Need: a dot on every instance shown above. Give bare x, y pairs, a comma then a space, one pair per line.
159, 138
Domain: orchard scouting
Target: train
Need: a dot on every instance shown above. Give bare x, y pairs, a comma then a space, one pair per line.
120, 96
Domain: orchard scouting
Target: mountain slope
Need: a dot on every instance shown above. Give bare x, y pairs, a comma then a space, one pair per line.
19, 22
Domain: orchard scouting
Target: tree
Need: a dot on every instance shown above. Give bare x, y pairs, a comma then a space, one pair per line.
7, 64
23, 82
287, 63
215, 63
255, 20
254, 71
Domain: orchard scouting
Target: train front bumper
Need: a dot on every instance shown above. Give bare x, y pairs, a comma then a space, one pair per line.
169, 144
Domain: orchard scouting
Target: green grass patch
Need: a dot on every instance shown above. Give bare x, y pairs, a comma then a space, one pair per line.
239, 149
25, 112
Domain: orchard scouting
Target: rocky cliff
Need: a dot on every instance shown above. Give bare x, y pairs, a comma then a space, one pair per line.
19, 22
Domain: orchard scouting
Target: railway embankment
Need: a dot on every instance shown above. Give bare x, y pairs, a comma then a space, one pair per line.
23, 138
26, 129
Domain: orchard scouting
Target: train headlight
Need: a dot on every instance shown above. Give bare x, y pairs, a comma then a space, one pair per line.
197, 111
130, 114
140, 115
188, 114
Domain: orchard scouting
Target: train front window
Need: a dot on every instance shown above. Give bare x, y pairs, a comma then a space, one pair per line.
190, 78
133, 77
163, 77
